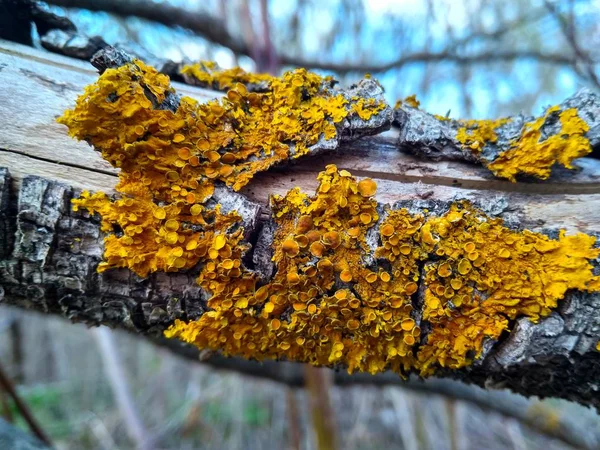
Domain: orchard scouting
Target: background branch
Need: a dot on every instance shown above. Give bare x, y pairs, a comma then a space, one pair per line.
213, 29
21, 406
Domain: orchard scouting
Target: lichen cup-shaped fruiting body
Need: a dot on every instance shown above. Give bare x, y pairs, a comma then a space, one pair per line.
337, 299
323, 305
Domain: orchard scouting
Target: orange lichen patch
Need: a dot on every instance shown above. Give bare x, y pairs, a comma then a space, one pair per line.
151, 239
304, 315
208, 74
411, 101
331, 300
469, 295
474, 134
231, 139
533, 155
515, 274
367, 108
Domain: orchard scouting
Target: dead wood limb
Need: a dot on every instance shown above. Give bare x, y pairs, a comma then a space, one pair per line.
439, 138
49, 254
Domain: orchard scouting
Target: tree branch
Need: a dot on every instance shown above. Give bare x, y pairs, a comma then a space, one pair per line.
212, 29
50, 254
514, 147
208, 26
569, 31
10, 390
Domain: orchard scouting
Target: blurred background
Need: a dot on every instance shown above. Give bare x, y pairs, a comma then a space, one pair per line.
97, 389
474, 58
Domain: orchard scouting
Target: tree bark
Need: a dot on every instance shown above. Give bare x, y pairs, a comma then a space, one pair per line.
49, 254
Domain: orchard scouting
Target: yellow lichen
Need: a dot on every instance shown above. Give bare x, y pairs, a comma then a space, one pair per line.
513, 274
307, 313
411, 101
474, 134
533, 155
328, 302
484, 275
367, 108
228, 140
208, 74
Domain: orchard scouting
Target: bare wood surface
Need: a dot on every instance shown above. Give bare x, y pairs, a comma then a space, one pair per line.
50, 266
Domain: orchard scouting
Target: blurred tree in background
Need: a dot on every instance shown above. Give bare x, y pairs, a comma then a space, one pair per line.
474, 58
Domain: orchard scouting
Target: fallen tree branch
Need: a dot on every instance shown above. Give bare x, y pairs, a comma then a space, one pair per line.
66, 284
51, 254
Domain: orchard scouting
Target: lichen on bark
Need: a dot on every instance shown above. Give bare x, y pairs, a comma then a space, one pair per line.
352, 283
516, 147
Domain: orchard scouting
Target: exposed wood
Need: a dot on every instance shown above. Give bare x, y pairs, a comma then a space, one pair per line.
49, 254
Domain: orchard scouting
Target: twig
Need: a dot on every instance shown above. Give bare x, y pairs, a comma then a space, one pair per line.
453, 432
568, 28
250, 44
16, 337
6, 412
212, 29
35, 428
118, 382
269, 54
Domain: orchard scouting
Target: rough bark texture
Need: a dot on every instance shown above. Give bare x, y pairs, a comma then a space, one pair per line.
51, 268
433, 137
48, 254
